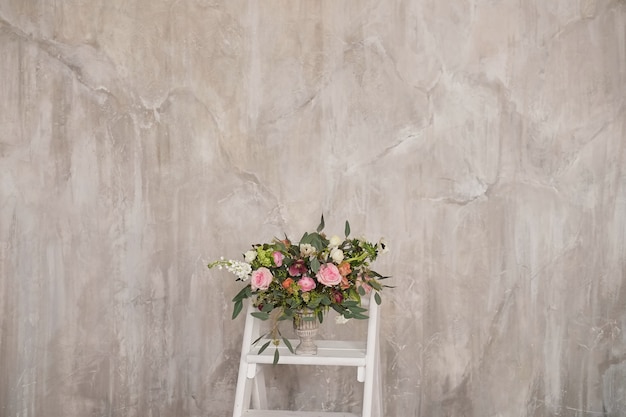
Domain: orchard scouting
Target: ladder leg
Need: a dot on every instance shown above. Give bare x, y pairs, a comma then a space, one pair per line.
243, 392
259, 394
377, 405
371, 385
368, 392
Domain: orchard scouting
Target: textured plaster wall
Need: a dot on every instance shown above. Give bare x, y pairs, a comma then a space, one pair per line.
483, 138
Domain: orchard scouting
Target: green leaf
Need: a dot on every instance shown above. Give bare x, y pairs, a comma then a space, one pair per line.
321, 226
315, 265
276, 357
260, 315
317, 242
313, 304
377, 298
374, 284
264, 347
314, 239
288, 344
244, 293
267, 308
258, 338
347, 231
237, 308
320, 316
361, 291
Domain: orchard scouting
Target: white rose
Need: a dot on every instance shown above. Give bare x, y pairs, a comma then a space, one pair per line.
249, 256
306, 249
337, 255
335, 241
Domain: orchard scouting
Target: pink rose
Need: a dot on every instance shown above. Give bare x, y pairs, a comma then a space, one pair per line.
329, 275
297, 268
261, 279
278, 258
360, 282
306, 284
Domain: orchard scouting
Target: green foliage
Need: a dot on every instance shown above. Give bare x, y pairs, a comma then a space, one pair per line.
298, 280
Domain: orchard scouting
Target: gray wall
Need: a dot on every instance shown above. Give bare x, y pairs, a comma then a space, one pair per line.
484, 139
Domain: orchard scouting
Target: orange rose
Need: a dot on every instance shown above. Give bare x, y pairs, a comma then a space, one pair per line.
344, 284
287, 284
344, 268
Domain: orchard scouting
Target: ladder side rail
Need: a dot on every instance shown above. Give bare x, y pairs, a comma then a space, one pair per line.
243, 391
371, 356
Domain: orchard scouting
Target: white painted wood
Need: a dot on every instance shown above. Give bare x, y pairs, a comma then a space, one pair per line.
286, 413
364, 355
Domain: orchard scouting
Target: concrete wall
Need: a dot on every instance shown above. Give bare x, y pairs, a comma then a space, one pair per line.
483, 138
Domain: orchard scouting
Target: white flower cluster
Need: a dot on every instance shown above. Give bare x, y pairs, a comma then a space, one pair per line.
306, 249
241, 269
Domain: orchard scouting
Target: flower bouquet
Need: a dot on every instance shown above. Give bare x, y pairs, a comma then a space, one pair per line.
316, 274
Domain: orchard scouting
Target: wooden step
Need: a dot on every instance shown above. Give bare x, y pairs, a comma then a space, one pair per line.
329, 353
284, 413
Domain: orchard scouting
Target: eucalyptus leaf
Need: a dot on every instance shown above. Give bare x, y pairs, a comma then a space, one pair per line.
259, 338
244, 293
260, 315
374, 284
317, 242
347, 231
288, 344
377, 298
321, 226
315, 265
264, 347
276, 357
313, 304
237, 308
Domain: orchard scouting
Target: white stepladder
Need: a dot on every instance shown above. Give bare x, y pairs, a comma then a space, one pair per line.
251, 398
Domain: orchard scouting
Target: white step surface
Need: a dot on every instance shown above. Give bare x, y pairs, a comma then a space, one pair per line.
329, 353
283, 413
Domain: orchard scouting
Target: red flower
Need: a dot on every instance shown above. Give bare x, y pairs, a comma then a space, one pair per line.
297, 268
